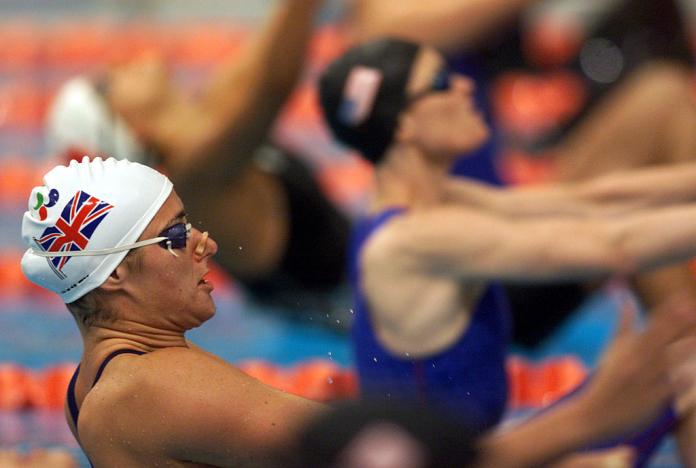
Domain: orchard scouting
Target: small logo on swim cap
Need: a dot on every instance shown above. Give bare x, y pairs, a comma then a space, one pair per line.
43, 201
359, 95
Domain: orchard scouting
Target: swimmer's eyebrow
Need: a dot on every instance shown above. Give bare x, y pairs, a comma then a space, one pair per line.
180, 217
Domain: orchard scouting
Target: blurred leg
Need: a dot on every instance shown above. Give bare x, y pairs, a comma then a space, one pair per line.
649, 120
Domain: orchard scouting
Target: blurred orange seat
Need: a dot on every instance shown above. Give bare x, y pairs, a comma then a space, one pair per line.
552, 41
14, 386
50, 386
21, 45
22, 104
78, 43
327, 44
18, 176
13, 283
540, 384
318, 380
529, 104
136, 39
206, 44
303, 106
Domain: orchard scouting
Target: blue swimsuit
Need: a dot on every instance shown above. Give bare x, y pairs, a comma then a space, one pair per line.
468, 378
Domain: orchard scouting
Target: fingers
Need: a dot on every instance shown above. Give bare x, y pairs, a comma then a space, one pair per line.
628, 317
617, 457
681, 358
628, 307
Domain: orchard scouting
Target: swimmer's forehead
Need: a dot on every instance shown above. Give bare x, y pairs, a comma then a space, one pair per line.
427, 63
172, 212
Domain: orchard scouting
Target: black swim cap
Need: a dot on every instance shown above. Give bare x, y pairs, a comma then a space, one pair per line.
363, 92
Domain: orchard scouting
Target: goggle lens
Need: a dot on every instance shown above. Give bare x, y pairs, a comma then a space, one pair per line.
176, 236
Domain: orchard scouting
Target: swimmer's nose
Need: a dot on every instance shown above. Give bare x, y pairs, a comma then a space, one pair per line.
206, 246
463, 83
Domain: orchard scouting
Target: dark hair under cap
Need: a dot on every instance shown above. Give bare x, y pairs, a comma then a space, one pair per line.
392, 59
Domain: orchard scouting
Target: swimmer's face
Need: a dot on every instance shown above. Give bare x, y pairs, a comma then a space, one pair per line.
442, 118
173, 289
136, 88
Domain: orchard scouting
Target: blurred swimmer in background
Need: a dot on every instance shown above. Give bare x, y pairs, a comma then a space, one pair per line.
431, 319
280, 236
643, 116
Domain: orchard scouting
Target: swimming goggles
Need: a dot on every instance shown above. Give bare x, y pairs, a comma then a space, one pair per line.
174, 237
440, 82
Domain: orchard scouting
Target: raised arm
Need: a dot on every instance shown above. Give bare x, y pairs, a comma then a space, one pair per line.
630, 387
465, 243
449, 25
610, 195
239, 106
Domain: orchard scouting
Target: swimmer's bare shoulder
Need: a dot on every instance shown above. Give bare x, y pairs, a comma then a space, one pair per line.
184, 404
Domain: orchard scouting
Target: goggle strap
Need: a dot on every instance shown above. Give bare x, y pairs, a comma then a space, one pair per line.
88, 253
169, 247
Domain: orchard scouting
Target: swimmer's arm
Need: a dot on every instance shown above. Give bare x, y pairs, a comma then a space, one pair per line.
609, 195
204, 410
453, 241
629, 388
518, 202
239, 106
450, 25
540, 441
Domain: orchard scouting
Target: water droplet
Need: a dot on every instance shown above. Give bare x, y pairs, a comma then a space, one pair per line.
408, 354
374, 358
352, 311
240, 247
338, 321
329, 380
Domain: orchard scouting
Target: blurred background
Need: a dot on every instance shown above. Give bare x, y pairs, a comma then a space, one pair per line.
44, 42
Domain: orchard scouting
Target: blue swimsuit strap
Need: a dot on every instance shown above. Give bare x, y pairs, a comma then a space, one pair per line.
72, 403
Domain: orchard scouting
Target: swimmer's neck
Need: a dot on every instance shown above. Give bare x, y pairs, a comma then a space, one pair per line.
407, 178
128, 334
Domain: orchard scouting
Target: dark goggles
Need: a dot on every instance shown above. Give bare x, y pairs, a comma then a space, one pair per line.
176, 236
440, 82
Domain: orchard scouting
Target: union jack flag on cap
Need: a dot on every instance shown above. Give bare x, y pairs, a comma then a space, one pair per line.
73, 228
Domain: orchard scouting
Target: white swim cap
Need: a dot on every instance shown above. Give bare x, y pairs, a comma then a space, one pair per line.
87, 206
80, 122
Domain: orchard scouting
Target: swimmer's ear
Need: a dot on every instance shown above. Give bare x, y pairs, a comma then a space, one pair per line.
117, 277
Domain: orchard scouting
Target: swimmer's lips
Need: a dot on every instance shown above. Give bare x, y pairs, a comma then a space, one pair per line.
204, 282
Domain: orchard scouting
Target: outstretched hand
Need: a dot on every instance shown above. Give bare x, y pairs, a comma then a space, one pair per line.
635, 378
